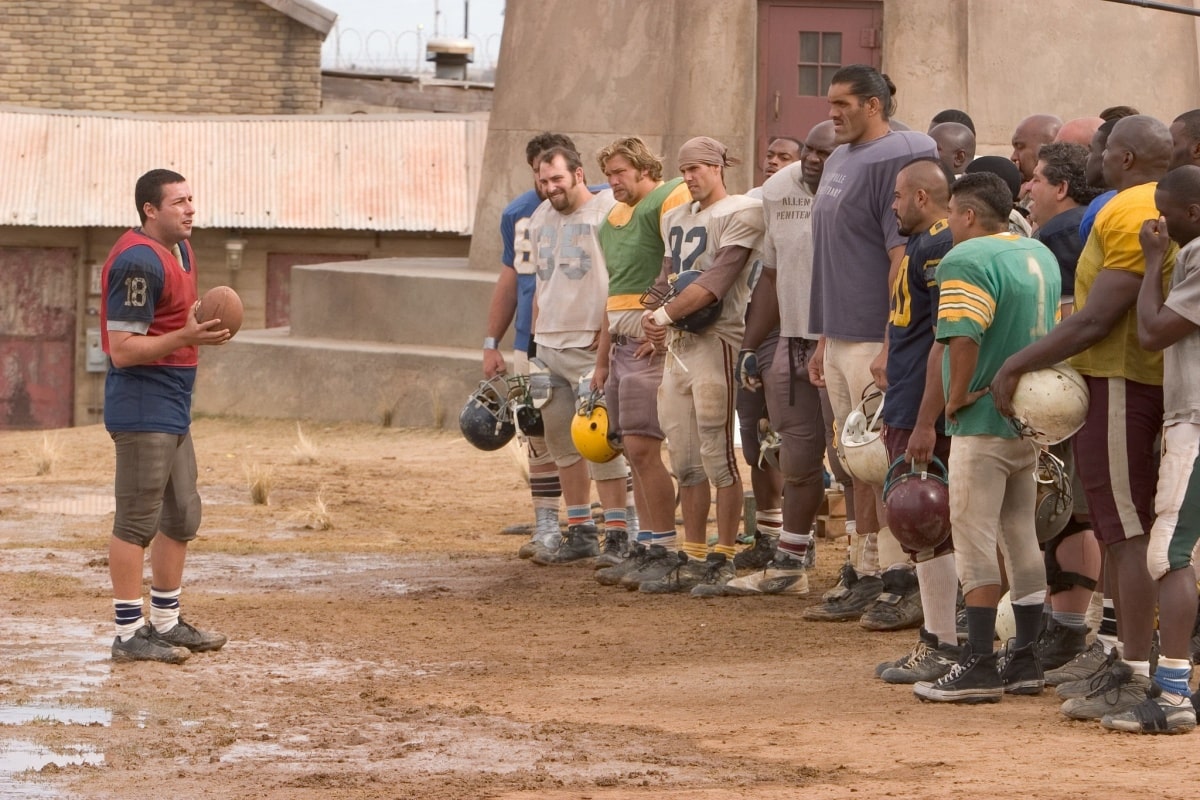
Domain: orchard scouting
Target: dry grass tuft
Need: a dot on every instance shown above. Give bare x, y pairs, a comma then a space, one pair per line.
260, 479
316, 517
305, 451
46, 456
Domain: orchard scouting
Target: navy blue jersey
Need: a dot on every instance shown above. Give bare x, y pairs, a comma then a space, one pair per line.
148, 291
911, 324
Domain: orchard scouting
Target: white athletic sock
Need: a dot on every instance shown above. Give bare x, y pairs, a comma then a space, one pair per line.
938, 581
891, 554
164, 609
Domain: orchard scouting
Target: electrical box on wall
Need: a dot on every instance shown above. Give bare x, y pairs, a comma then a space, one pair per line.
95, 359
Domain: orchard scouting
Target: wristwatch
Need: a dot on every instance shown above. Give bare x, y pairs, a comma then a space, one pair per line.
490, 343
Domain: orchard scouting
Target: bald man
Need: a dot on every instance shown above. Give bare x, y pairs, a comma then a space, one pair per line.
955, 144
1115, 449
912, 415
1079, 131
1030, 134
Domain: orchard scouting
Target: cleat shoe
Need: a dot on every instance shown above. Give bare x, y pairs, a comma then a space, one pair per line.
974, 679
1115, 692
926, 641
145, 646
614, 549
578, 543
191, 637
810, 553
685, 574
1158, 713
784, 575
850, 599
656, 563
1060, 643
1022, 672
635, 558
759, 555
931, 666
718, 571
898, 605
1075, 677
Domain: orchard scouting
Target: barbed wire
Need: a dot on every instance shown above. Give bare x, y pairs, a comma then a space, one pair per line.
352, 49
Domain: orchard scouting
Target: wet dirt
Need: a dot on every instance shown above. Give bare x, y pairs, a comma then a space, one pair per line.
406, 652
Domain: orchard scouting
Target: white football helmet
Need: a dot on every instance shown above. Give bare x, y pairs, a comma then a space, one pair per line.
1050, 404
860, 443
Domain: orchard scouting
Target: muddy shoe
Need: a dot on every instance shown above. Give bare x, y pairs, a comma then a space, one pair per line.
858, 593
144, 646
615, 548
578, 543
898, 605
191, 637
759, 555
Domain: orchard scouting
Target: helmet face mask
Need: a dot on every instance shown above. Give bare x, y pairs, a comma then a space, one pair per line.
1055, 497
694, 322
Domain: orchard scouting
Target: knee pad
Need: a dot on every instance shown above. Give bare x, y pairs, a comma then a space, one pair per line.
1057, 579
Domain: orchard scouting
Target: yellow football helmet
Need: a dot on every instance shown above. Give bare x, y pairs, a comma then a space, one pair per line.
589, 430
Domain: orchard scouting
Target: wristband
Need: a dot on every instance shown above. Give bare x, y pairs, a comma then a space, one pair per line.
661, 317
490, 343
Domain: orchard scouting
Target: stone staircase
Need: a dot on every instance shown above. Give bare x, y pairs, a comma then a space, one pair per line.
394, 341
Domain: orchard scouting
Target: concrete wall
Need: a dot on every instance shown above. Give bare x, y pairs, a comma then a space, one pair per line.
1002, 61
665, 71
170, 56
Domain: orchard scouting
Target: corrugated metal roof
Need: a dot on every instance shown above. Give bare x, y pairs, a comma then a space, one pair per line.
377, 172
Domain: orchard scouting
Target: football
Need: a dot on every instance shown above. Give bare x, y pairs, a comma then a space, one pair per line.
223, 303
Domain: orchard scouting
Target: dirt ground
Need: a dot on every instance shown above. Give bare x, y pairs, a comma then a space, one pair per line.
406, 652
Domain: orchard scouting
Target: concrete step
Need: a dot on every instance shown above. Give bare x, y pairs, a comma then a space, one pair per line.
437, 302
274, 374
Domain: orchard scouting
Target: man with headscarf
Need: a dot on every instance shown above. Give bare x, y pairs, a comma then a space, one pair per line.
701, 327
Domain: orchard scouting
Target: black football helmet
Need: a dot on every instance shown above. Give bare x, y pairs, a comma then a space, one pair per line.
487, 420
694, 322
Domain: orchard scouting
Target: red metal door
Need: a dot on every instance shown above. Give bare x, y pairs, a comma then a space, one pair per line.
801, 45
279, 281
37, 337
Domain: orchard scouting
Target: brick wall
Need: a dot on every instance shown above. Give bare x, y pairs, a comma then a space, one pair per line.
167, 56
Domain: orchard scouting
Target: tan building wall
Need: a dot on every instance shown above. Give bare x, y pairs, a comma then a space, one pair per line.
673, 69
115, 56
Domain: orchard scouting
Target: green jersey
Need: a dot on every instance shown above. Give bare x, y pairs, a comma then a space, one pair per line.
1002, 292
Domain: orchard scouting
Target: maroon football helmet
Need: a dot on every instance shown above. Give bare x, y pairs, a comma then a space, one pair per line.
918, 504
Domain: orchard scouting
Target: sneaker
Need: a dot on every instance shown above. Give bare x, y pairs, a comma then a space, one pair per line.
686, 574
934, 663
810, 553
974, 679
717, 573
1115, 692
1072, 678
578, 543
191, 637
783, 575
634, 559
539, 542
925, 642
614, 549
1060, 643
854, 597
1158, 713
656, 563
759, 555
1021, 672
144, 646
898, 606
